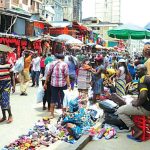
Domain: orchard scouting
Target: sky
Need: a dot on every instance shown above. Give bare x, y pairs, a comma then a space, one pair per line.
132, 11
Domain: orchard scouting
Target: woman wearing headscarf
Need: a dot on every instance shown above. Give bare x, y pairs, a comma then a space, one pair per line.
121, 78
97, 81
5, 86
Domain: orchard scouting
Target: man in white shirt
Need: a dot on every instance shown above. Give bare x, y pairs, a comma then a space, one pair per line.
35, 70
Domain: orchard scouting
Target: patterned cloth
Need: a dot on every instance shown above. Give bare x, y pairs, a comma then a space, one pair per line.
120, 87
59, 74
5, 72
5, 94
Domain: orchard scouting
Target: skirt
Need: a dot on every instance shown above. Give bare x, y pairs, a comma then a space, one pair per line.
5, 87
120, 87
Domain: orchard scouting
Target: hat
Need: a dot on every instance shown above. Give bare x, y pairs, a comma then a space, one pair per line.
59, 56
121, 60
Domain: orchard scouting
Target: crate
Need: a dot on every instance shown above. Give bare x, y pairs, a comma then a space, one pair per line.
143, 123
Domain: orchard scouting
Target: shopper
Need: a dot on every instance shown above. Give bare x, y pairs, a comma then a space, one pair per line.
59, 81
35, 70
5, 87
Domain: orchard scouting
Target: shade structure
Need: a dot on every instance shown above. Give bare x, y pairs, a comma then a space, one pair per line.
64, 37
74, 42
5, 48
129, 31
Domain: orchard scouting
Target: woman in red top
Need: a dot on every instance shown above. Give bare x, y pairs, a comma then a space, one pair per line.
42, 65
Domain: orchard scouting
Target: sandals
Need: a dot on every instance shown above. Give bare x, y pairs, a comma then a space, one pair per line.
10, 119
2, 120
52, 116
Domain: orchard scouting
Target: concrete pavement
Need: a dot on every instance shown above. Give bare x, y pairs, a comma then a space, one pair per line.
121, 143
26, 112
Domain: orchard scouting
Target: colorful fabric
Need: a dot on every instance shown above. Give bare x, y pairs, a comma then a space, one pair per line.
59, 74
120, 87
5, 94
5, 72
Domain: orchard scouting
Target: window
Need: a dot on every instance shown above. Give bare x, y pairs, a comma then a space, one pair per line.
25, 2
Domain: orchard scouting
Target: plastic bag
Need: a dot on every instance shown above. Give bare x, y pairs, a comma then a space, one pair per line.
69, 95
19, 66
40, 94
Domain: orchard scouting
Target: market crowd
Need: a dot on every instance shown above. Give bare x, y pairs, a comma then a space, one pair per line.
85, 71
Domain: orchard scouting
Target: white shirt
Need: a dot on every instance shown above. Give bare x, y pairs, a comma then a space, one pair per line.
36, 64
122, 74
46, 71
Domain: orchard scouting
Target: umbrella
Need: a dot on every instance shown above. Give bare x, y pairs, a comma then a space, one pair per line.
64, 37
5, 48
128, 31
74, 42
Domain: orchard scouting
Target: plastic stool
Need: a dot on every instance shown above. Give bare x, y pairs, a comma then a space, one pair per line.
143, 123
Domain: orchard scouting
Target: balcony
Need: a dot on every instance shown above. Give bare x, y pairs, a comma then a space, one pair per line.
15, 2
2, 4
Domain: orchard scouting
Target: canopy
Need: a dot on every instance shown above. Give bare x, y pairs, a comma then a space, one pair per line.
74, 42
5, 48
64, 37
129, 32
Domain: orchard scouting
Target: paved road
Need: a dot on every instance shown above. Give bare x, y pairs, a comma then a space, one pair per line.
121, 143
26, 112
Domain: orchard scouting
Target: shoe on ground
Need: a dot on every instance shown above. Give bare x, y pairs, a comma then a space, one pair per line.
32, 85
23, 94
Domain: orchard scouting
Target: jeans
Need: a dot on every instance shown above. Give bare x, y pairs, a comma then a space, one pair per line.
35, 77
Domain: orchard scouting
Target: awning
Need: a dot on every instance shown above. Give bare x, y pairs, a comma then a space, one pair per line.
61, 24
50, 9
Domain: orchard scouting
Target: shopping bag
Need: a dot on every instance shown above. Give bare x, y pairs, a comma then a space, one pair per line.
40, 94
19, 66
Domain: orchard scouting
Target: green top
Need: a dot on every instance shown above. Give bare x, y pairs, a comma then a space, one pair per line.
48, 60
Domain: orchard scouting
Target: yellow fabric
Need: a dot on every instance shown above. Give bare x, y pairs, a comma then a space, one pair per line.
111, 71
143, 89
27, 63
147, 64
142, 79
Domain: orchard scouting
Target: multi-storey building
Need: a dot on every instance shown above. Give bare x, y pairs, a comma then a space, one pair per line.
108, 10
58, 9
68, 9
77, 10
31, 6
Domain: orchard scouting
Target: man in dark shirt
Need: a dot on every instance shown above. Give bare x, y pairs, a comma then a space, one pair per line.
141, 106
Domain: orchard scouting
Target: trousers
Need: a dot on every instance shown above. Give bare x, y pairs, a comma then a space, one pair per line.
126, 111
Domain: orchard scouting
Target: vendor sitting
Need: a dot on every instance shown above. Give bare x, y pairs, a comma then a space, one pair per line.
141, 106
76, 119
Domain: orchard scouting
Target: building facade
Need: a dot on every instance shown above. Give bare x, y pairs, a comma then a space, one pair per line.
31, 6
67, 9
77, 10
58, 9
108, 10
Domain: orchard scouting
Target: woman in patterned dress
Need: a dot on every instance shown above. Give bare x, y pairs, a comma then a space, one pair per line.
5, 86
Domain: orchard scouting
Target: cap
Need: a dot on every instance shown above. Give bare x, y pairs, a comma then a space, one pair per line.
121, 60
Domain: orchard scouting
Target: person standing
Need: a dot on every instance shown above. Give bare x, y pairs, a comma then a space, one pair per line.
24, 75
48, 59
42, 65
59, 75
121, 75
35, 70
5, 86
